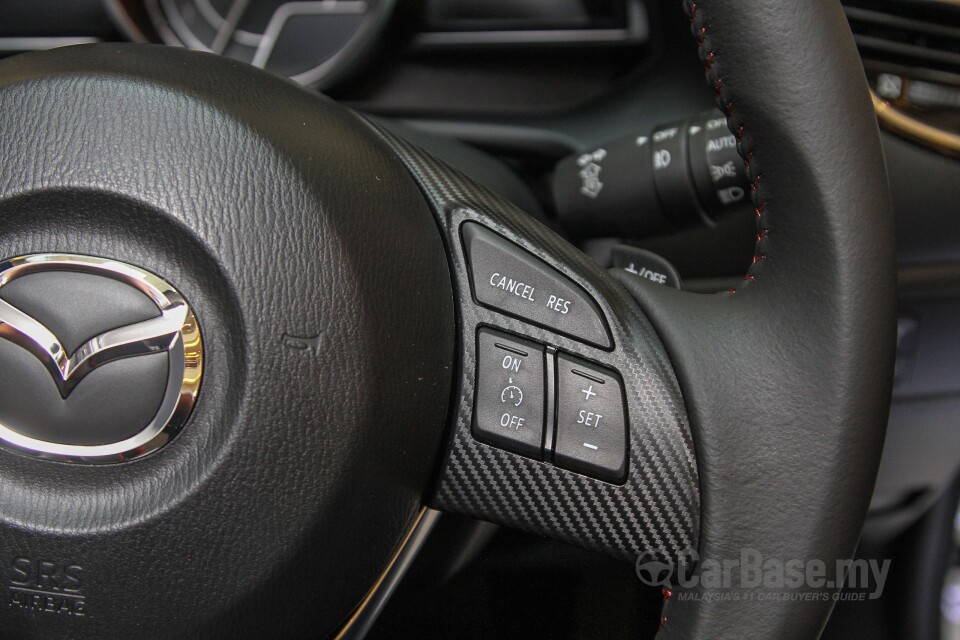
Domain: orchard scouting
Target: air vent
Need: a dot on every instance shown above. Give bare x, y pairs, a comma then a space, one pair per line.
509, 23
908, 33
911, 54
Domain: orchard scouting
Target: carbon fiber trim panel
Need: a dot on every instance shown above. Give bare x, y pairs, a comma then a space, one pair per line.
658, 507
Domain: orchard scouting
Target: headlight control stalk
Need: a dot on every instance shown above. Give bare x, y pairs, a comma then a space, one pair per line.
677, 176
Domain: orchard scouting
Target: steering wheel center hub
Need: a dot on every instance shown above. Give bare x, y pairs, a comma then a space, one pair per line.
313, 265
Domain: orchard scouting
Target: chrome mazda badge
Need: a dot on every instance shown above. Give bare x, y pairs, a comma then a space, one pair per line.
100, 361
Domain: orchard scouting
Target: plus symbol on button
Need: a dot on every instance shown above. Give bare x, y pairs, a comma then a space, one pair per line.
588, 392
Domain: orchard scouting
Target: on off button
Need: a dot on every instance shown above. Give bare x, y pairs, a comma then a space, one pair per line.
510, 402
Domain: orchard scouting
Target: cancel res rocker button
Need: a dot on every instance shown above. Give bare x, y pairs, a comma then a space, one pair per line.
510, 279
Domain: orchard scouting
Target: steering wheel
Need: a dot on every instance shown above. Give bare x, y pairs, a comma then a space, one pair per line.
380, 333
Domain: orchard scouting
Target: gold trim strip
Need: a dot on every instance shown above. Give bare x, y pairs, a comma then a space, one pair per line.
369, 608
898, 122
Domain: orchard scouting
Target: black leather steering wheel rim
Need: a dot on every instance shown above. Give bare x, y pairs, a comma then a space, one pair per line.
787, 380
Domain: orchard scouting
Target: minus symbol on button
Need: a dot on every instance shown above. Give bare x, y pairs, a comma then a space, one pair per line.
591, 446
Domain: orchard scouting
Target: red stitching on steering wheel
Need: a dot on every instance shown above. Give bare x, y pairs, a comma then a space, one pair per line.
716, 82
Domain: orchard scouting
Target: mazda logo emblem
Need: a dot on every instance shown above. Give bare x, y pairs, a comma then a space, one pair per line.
104, 290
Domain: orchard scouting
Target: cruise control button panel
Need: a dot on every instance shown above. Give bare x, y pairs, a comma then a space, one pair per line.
591, 434
543, 403
511, 398
514, 281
